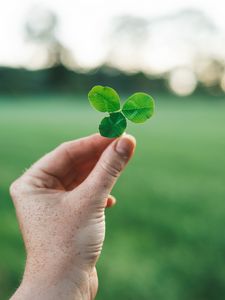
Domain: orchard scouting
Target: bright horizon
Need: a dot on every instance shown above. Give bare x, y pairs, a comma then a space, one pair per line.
93, 17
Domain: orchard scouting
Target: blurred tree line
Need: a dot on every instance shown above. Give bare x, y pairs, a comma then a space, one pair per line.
60, 79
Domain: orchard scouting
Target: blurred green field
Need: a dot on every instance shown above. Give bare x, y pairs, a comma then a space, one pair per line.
165, 238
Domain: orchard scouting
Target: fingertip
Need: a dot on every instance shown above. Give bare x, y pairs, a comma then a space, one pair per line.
125, 145
131, 138
111, 201
100, 138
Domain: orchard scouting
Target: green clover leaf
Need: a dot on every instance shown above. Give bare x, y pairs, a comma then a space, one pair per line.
138, 108
104, 99
113, 126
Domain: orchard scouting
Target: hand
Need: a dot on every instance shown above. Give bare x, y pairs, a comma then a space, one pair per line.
60, 203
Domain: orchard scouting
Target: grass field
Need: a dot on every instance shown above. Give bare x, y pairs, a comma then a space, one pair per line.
165, 238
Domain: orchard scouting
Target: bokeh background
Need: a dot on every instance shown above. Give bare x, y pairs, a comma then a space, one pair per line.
165, 238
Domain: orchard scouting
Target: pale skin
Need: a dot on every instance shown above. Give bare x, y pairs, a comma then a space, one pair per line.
60, 205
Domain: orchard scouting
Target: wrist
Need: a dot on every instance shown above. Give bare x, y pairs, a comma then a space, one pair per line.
49, 291
58, 291
53, 283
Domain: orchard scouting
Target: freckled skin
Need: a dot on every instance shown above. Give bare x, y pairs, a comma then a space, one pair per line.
60, 203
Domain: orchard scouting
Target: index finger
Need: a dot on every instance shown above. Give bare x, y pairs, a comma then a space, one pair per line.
61, 160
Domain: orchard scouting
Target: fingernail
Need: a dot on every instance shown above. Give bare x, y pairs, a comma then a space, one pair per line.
125, 145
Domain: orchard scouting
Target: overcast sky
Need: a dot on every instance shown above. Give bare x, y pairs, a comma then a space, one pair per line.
83, 23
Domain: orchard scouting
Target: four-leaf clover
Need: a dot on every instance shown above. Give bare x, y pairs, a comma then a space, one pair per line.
137, 108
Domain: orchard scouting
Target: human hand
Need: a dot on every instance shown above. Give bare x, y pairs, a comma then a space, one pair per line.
60, 203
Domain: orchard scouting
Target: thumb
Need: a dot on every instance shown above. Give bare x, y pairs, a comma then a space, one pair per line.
108, 168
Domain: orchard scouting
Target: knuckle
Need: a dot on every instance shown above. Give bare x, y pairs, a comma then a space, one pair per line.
15, 189
112, 168
65, 145
62, 146
19, 188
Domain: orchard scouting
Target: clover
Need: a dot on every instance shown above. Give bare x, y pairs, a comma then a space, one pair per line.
138, 108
